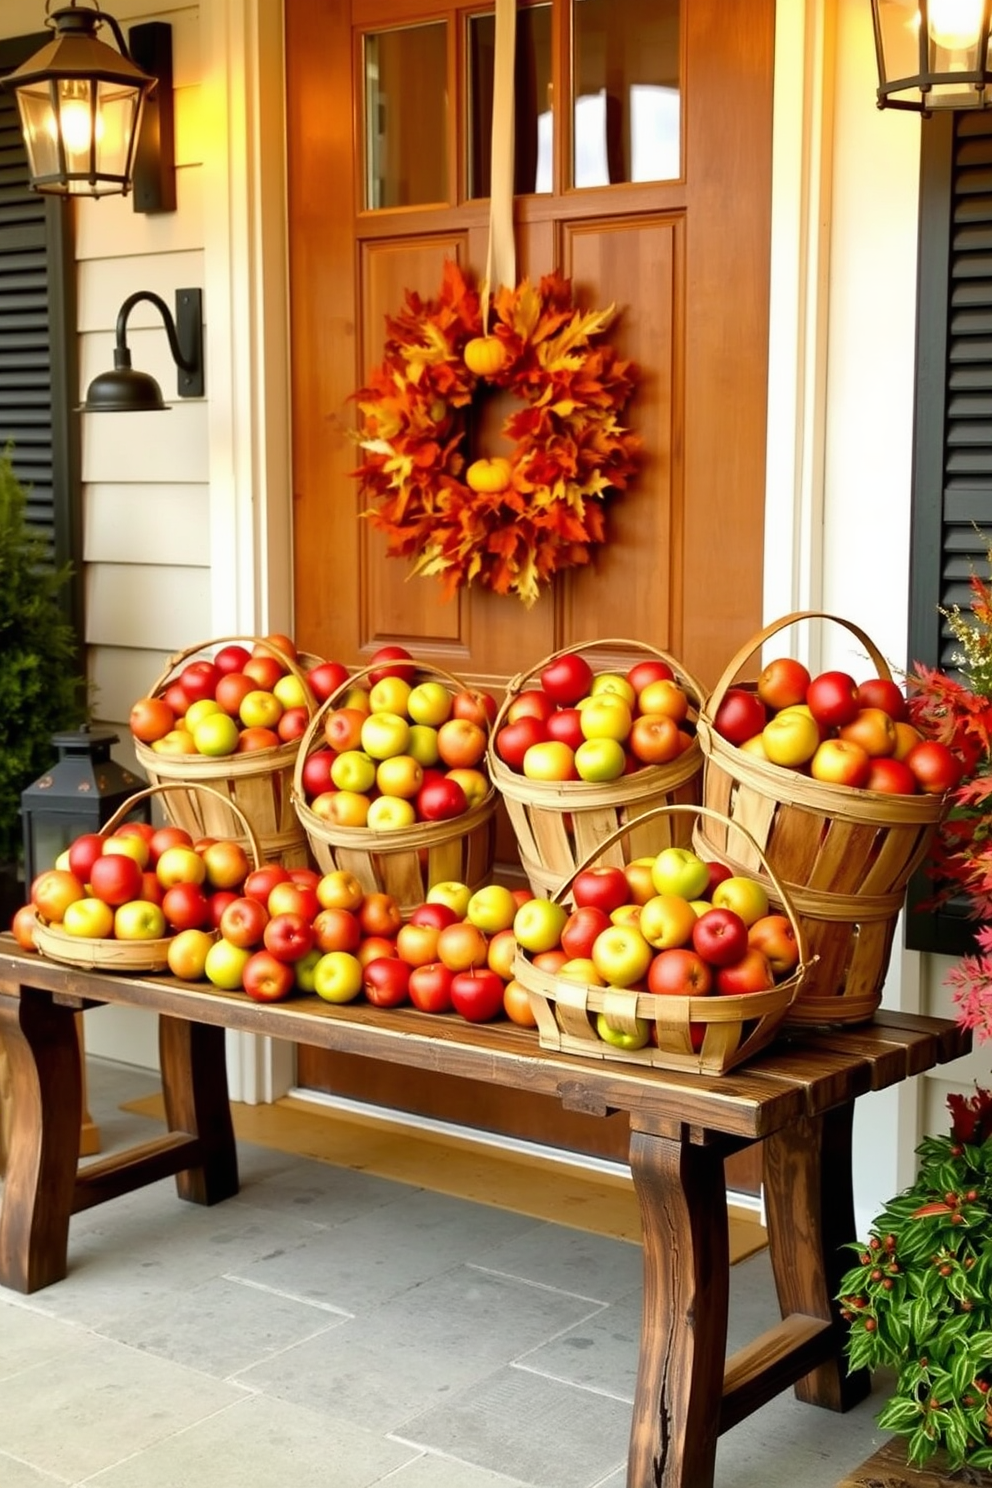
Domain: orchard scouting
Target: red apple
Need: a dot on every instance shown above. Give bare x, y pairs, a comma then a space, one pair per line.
604, 886
514, 739
581, 929
288, 936
833, 698
752, 973
679, 972
773, 934
740, 715
841, 762
429, 987
720, 936
936, 768
783, 683
567, 678
882, 692
386, 981
477, 994
267, 979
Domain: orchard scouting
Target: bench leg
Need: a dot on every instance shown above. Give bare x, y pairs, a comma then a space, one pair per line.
194, 1085
47, 1103
676, 1416
809, 1204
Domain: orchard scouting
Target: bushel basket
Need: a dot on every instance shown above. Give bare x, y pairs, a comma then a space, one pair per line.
256, 786
843, 855
707, 1035
111, 954
559, 823
404, 862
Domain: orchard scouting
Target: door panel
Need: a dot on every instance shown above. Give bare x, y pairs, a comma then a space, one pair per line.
687, 264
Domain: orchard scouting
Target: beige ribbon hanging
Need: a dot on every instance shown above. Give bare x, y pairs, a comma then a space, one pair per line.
501, 258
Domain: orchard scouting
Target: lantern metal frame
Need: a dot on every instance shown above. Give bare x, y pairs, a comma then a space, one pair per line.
76, 58
931, 89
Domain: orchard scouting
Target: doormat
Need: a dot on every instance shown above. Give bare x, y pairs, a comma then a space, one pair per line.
557, 1192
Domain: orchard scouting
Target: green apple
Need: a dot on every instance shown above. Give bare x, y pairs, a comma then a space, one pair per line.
678, 870
423, 744
215, 734
304, 969
621, 1038
605, 715
492, 908
613, 682
290, 691
260, 709
430, 703
353, 770
337, 977
745, 896
621, 955
385, 733
225, 963
390, 814
390, 695
88, 917
139, 919
453, 893
538, 924
600, 759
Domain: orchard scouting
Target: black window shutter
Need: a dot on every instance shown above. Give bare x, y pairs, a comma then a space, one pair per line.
38, 367
952, 478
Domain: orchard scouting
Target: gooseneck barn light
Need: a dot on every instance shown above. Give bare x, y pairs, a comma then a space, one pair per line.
933, 54
97, 120
125, 390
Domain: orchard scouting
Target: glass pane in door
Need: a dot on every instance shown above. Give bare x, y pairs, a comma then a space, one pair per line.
626, 89
532, 101
405, 116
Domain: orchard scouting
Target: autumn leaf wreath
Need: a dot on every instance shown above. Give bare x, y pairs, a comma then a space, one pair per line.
508, 524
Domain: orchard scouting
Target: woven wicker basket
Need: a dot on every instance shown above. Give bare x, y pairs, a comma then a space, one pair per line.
256, 786
557, 824
407, 861
733, 1028
126, 955
844, 855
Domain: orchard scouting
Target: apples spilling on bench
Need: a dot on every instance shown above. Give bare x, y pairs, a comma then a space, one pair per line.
836, 730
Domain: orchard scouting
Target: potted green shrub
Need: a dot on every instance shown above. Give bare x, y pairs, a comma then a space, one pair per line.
40, 689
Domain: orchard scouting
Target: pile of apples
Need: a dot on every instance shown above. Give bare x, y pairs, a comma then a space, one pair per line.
577, 724
672, 925
397, 750
836, 730
138, 883
235, 701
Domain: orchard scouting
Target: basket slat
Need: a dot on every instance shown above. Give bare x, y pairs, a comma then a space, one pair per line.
844, 855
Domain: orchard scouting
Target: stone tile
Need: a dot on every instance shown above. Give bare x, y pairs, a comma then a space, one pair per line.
559, 1438
14, 1474
430, 1471
600, 1353
260, 1442
317, 1192
29, 1339
100, 1404
427, 1344
221, 1327
361, 1264
574, 1261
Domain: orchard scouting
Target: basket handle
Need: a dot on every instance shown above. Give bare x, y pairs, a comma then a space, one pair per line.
517, 683
126, 807
756, 642
175, 662
330, 702
696, 811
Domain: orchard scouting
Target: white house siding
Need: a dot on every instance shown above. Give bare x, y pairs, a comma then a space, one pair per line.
186, 514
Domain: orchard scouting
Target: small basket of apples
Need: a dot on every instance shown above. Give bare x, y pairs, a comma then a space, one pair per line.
669, 959
585, 741
842, 794
390, 781
118, 899
230, 713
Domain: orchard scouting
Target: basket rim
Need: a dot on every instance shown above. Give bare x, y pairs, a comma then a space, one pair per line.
417, 835
55, 944
820, 797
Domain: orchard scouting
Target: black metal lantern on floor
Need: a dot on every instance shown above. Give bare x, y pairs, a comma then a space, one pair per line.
80, 793
933, 54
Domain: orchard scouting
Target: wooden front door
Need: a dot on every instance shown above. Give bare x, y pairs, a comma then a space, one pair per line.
387, 166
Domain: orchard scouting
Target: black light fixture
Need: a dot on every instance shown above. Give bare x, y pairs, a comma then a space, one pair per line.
933, 54
98, 120
80, 793
126, 391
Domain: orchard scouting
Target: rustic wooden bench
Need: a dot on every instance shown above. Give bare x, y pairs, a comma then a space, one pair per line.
798, 1098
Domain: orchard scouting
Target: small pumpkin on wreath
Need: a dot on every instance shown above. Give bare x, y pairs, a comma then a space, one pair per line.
508, 523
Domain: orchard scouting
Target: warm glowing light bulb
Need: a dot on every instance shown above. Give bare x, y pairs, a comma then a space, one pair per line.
954, 24
74, 120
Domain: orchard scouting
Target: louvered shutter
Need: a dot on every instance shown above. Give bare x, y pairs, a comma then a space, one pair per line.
37, 366
952, 494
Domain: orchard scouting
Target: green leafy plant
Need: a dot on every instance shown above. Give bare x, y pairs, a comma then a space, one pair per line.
920, 1297
40, 691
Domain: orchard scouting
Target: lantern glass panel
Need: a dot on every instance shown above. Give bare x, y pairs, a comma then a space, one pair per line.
97, 123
